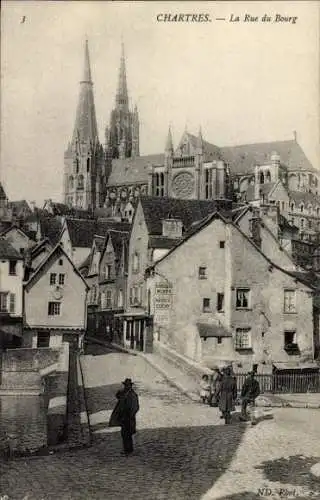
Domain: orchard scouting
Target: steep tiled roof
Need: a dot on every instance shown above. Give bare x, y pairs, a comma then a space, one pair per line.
82, 231
50, 227
57, 250
305, 198
20, 207
210, 151
131, 170
3, 195
242, 159
7, 251
156, 209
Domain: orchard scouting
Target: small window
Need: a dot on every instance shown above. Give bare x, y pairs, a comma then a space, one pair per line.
3, 302
108, 299
289, 301
61, 261
289, 338
220, 302
12, 267
120, 298
202, 273
108, 271
43, 339
242, 298
53, 278
12, 305
61, 279
282, 205
21, 250
219, 340
221, 244
243, 338
206, 305
54, 308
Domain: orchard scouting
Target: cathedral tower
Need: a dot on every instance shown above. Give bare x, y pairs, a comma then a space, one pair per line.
84, 171
122, 136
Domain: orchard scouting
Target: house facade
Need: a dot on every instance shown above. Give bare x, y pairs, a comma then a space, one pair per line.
11, 294
55, 303
242, 307
159, 223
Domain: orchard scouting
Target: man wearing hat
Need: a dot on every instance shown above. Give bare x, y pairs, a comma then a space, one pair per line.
250, 391
128, 408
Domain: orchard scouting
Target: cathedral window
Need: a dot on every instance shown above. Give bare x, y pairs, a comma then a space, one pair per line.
292, 207
159, 184
261, 178
208, 184
77, 165
318, 211
88, 164
70, 182
268, 176
301, 207
80, 182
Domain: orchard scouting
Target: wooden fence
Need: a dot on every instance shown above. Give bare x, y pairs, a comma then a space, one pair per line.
284, 383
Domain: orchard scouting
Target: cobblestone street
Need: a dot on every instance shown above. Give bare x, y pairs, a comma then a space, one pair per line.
182, 449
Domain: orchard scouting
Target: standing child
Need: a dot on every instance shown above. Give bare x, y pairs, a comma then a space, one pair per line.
205, 389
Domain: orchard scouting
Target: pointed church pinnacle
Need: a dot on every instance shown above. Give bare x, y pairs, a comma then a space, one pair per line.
87, 70
85, 128
169, 143
122, 91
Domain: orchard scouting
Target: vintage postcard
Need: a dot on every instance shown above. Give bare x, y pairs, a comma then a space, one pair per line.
160, 250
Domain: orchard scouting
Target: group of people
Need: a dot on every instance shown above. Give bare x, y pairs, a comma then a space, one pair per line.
222, 392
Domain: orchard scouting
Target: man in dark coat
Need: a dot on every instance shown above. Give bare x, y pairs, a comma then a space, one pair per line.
128, 408
249, 392
227, 394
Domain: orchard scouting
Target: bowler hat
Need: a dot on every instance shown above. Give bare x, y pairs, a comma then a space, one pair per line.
127, 382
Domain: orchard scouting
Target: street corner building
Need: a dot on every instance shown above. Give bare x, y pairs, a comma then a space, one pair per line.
11, 295
216, 296
54, 303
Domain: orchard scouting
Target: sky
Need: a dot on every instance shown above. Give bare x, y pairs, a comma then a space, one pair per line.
243, 82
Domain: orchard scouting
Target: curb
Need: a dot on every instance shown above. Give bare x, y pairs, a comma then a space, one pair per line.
192, 395
170, 380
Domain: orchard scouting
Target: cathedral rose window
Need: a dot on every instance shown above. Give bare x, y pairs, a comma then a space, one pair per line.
183, 185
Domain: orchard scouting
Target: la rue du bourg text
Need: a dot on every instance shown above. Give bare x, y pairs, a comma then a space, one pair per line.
233, 18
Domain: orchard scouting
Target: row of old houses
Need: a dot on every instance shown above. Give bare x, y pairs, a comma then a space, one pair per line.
210, 279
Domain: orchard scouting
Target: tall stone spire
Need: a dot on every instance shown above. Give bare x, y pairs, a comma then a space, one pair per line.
84, 162
122, 90
85, 128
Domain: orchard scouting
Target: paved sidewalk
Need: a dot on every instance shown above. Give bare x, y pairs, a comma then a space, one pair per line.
190, 387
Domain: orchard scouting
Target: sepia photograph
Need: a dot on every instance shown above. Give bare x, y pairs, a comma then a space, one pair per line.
160, 250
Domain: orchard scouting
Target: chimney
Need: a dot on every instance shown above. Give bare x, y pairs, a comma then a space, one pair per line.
172, 228
255, 229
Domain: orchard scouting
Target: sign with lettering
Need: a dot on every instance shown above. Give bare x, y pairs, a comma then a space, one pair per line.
162, 303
